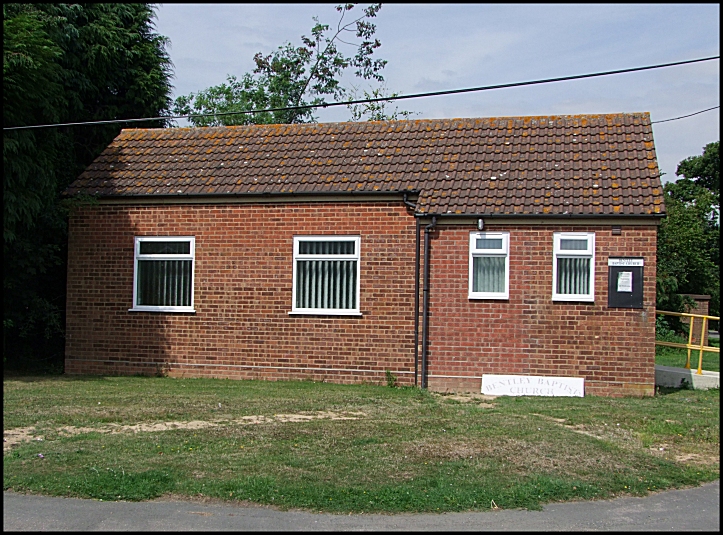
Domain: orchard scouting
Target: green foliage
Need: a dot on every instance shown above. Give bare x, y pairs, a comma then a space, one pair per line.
391, 379
32, 93
63, 63
667, 333
689, 237
704, 170
375, 111
296, 76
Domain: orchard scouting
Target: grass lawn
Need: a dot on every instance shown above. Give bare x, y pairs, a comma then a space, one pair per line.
676, 357
335, 448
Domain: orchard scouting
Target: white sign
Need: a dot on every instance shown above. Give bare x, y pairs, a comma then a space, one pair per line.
625, 281
625, 262
532, 385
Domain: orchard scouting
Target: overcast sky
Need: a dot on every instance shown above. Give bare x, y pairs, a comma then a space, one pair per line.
431, 47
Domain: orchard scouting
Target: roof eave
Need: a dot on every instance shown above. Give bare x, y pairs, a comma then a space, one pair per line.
546, 216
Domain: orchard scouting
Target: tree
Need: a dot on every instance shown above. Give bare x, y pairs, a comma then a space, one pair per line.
689, 237
375, 111
63, 63
32, 94
295, 76
704, 170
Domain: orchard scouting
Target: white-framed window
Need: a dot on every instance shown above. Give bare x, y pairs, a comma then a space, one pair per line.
489, 265
573, 267
163, 273
326, 275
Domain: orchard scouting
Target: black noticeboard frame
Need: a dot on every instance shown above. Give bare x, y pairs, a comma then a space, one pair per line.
625, 282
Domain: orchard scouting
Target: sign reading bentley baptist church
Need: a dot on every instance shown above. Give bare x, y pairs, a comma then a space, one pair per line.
532, 385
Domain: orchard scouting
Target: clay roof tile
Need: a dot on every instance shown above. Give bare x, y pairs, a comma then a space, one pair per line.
527, 156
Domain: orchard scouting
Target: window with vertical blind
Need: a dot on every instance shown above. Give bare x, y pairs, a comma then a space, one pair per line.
489, 266
163, 274
573, 268
326, 275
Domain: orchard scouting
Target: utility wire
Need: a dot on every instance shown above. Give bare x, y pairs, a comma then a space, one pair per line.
684, 116
380, 99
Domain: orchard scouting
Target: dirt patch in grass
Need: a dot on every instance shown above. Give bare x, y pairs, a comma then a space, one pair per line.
612, 433
628, 439
707, 455
532, 457
550, 418
618, 435
702, 459
482, 400
16, 436
445, 450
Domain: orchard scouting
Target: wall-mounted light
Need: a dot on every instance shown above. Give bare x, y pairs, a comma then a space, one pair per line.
617, 231
480, 224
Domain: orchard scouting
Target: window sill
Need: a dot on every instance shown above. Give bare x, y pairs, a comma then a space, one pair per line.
322, 312
489, 297
574, 299
172, 310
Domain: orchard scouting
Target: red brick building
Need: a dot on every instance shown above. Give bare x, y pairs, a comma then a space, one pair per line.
440, 250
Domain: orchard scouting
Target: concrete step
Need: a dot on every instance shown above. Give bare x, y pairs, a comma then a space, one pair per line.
676, 377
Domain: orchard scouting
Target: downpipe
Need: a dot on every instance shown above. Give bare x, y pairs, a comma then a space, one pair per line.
425, 300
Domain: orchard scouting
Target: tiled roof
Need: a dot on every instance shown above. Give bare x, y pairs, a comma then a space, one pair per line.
556, 165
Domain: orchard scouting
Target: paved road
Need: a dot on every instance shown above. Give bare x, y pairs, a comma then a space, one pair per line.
695, 509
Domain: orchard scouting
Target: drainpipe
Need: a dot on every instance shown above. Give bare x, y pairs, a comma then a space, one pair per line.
416, 303
425, 304
409, 203
417, 262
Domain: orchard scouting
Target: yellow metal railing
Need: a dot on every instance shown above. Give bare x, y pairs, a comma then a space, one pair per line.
690, 346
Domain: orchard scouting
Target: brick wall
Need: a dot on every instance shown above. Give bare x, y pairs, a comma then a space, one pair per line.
702, 303
243, 287
529, 334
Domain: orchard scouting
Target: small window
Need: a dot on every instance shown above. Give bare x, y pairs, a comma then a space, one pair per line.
326, 275
489, 266
573, 268
163, 274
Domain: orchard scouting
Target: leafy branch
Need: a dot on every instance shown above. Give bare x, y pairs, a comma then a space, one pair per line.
296, 76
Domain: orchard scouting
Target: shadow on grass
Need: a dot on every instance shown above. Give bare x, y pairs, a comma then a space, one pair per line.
28, 377
666, 390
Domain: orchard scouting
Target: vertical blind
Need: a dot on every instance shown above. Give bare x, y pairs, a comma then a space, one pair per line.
326, 247
488, 274
164, 282
326, 283
573, 275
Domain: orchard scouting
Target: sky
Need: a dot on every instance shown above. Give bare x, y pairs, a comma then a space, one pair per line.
433, 47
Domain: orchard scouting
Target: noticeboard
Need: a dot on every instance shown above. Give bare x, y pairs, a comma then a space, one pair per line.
625, 282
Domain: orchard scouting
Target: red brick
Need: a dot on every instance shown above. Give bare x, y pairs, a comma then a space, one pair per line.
242, 329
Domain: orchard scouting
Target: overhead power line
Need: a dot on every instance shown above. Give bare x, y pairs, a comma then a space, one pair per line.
684, 116
381, 99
